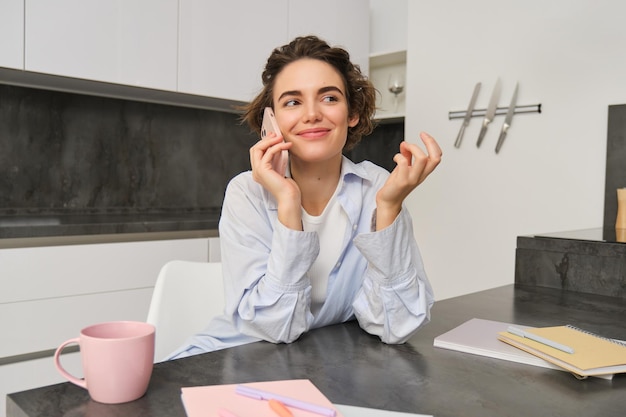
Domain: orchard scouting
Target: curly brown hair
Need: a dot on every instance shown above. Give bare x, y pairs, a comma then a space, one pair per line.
360, 92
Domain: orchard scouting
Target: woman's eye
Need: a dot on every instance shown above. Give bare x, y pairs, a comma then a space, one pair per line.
290, 103
329, 98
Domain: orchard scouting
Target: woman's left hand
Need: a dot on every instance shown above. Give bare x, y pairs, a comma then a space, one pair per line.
413, 165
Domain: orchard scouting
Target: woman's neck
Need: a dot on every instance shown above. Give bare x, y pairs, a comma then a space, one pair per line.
317, 183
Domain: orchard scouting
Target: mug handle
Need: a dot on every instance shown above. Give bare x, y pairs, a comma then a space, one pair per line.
57, 363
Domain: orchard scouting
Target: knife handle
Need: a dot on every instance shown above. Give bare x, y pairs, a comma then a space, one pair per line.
500, 141
501, 137
459, 137
481, 135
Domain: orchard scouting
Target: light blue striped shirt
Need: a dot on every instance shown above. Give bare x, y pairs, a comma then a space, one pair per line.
379, 278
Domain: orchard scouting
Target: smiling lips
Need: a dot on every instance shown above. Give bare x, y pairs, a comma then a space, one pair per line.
313, 133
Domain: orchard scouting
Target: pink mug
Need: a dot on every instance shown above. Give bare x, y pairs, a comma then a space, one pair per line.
117, 360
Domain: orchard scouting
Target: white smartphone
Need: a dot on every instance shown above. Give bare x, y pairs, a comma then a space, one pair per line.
279, 163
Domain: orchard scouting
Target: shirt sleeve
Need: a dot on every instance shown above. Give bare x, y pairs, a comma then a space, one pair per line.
396, 297
268, 293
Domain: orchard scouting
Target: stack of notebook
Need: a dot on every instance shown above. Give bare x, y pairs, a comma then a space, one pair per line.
577, 351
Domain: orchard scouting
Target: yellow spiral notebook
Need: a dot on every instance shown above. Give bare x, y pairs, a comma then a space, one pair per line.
592, 355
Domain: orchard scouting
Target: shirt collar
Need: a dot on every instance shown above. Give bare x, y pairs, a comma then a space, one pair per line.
348, 168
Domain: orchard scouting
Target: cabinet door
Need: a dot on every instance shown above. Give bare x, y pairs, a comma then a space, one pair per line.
12, 34
223, 45
60, 289
342, 23
125, 42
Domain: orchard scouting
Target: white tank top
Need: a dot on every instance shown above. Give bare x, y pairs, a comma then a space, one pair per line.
330, 227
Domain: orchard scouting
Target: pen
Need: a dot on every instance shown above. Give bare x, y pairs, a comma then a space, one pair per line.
279, 408
542, 340
291, 402
222, 412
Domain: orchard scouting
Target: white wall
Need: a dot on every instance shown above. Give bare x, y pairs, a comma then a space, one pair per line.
549, 175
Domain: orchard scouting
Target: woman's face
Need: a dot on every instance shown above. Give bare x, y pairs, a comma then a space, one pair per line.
311, 109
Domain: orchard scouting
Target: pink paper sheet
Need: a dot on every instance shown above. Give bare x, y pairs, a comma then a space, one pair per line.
205, 401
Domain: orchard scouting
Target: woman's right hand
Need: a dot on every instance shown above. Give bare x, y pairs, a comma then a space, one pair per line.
284, 189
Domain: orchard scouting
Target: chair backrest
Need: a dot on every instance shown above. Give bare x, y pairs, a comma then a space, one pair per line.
186, 296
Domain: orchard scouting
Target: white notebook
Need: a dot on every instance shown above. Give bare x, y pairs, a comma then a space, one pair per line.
351, 411
480, 337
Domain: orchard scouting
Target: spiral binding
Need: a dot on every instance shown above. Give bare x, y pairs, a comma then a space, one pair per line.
608, 339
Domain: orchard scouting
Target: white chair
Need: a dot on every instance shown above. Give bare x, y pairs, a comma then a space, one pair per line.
186, 296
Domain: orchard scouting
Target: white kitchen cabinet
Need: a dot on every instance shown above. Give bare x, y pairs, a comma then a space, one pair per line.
12, 34
203, 48
124, 42
341, 23
223, 45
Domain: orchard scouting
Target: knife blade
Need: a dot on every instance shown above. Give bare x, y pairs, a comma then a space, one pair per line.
490, 113
468, 115
508, 119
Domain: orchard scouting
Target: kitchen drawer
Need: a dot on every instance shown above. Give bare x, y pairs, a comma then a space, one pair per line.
39, 325
60, 271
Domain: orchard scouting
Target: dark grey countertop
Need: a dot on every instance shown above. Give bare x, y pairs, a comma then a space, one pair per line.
355, 368
598, 234
64, 225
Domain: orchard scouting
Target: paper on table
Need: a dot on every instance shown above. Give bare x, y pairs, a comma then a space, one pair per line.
205, 400
480, 337
351, 411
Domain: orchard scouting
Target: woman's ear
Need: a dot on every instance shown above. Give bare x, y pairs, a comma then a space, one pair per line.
353, 121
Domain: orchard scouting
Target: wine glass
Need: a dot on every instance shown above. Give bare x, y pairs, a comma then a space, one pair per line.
396, 87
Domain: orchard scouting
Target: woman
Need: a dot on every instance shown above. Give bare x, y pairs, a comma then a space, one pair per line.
330, 240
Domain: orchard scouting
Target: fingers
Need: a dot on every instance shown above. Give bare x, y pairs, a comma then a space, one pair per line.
405, 151
267, 146
263, 153
434, 154
432, 147
419, 163
433, 151
262, 146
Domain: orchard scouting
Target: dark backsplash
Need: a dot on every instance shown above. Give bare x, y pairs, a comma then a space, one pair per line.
65, 152
381, 146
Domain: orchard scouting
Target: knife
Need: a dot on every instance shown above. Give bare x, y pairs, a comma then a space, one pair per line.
490, 113
468, 115
507, 119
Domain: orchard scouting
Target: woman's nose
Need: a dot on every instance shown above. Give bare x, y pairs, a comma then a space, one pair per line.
312, 112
